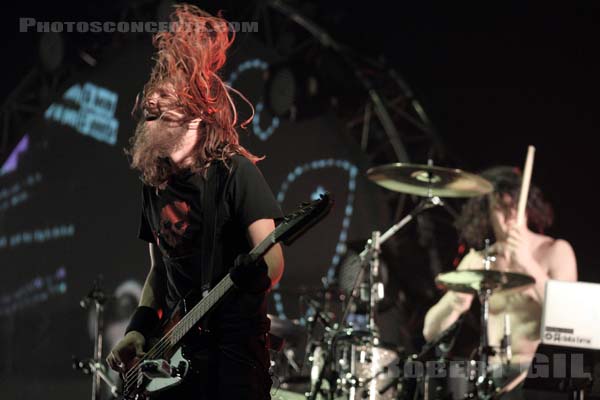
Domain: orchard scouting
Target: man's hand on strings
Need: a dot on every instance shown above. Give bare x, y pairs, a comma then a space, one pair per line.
126, 352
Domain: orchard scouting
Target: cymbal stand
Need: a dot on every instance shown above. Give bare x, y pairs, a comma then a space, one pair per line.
368, 257
484, 386
372, 249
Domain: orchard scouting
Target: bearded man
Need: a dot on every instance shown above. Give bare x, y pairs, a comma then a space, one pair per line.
204, 203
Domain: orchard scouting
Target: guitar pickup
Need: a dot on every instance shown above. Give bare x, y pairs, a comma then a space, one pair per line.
153, 369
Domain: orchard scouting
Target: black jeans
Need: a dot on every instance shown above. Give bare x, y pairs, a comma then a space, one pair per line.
224, 370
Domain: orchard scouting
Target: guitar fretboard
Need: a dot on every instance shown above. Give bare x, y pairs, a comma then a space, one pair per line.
200, 309
213, 297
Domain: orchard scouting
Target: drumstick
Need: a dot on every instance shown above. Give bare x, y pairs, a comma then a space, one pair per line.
525, 186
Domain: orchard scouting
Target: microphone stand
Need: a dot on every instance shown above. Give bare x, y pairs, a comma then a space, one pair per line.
89, 366
96, 298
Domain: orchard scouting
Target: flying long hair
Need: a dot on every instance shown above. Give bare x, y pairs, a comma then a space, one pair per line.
474, 224
185, 78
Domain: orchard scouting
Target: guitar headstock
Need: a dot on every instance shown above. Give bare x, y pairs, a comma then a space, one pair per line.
300, 220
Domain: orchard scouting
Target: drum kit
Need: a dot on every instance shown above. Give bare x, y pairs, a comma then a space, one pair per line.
345, 358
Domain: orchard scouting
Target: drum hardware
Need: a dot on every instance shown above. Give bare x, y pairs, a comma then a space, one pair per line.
369, 258
284, 364
342, 370
483, 283
484, 385
348, 365
444, 342
426, 181
505, 344
317, 316
285, 328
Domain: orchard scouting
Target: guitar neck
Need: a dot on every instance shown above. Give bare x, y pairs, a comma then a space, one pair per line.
214, 296
200, 310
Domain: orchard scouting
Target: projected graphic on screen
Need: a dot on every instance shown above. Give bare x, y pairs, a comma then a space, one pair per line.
12, 162
340, 247
55, 210
262, 132
95, 116
37, 235
34, 292
18, 193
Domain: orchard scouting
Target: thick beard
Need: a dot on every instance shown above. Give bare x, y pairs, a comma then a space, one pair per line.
151, 147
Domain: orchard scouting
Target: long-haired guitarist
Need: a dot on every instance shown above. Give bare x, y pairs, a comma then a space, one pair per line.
204, 203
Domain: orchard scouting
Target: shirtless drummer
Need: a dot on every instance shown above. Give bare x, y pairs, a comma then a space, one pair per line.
517, 249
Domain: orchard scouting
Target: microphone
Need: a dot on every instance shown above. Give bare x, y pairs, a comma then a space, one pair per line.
95, 295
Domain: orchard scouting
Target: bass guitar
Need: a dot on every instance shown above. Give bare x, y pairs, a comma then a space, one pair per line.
164, 364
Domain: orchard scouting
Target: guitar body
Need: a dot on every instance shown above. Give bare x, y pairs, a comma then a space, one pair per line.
177, 361
158, 375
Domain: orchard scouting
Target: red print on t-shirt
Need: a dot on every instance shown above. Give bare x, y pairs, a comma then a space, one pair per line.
174, 221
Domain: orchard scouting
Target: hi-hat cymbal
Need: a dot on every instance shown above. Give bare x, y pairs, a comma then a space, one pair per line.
425, 180
476, 280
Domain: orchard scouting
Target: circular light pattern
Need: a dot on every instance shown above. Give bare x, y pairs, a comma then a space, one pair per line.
340, 248
281, 91
263, 134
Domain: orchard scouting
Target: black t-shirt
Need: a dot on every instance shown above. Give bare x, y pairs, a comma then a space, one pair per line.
172, 220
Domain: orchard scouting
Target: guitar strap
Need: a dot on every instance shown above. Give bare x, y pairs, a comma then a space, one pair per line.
212, 211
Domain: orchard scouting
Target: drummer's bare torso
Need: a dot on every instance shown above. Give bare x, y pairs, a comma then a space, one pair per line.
522, 307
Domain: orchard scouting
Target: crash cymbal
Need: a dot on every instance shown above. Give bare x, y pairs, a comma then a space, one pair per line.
425, 180
285, 328
474, 280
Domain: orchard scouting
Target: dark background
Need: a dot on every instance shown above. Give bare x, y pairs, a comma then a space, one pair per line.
493, 79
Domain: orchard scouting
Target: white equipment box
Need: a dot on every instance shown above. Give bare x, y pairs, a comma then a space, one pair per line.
571, 315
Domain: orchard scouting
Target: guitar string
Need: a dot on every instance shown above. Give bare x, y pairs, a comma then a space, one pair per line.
164, 344
133, 370
168, 336
133, 374
154, 349
165, 341
159, 349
